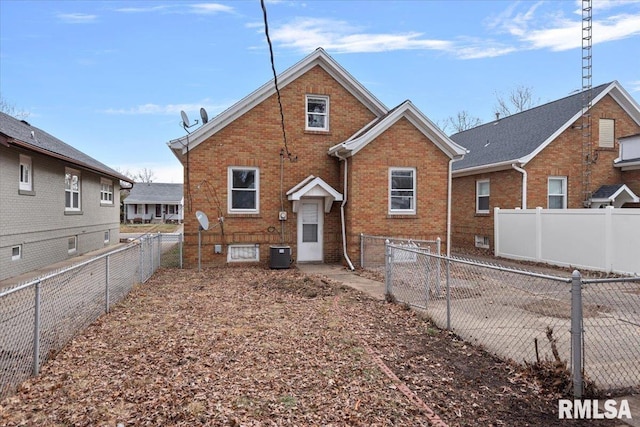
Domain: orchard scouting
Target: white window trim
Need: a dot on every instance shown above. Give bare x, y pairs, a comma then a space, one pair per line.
565, 188
73, 208
108, 200
75, 244
478, 195
230, 253
411, 211
230, 208
606, 133
25, 163
19, 255
107, 236
482, 242
325, 114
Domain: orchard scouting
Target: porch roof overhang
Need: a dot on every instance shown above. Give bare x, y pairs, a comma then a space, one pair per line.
313, 186
614, 195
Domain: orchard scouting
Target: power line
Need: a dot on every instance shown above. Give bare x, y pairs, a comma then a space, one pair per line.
275, 80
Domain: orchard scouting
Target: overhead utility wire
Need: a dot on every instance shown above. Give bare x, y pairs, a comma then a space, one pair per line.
275, 80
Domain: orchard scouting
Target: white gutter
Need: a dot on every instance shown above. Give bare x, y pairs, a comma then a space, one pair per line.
524, 184
344, 202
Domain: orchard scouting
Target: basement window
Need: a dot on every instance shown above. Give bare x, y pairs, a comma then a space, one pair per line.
243, 253
16, 253
482, 242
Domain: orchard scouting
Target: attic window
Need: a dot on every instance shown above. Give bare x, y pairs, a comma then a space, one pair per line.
606, 133
317, 112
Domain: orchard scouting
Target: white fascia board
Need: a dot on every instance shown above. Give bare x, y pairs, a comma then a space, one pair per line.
494, 167
565, 126
318, 57
419, 120
300, 184
622, 97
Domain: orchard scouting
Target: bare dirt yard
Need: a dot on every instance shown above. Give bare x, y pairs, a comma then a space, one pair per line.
258, 347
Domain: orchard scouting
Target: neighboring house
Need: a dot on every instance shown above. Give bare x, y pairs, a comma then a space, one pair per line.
350, 166
537, 158
55, 201
154, 203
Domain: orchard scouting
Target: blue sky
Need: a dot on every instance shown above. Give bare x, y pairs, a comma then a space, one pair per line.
111, 77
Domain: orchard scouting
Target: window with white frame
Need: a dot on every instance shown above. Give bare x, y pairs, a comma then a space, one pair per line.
72, 190
72, 244
482, 242
107, 236
244, 189
317, 112
16, 252
606, 131
243, 253
402, 190
557, 192
106, 191
483, 191
26, 175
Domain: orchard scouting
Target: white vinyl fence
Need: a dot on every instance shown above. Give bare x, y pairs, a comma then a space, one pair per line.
595, 239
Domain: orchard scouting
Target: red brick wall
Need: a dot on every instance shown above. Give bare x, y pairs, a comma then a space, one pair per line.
563, 157
255, 139
402, 145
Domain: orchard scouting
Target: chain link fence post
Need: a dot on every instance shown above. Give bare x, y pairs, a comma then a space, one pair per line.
106, 287
448, 285
576, 333
387, 267
36, 331
362, 250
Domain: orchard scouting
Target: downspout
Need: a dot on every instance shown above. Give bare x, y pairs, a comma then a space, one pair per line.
449, 183
344, 202
524, 184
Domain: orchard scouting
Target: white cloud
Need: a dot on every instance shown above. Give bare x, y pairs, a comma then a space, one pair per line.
306, 34
210, 8
196, 8
634, 86
167, 109
76, 18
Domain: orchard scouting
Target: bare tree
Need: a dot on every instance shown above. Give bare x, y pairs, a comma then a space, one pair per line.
144, 175
520, 98
8, 108
461, 122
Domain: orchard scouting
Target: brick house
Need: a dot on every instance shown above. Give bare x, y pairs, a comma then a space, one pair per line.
350, 166
535, 158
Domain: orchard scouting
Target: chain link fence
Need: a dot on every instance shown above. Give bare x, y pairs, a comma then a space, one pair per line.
526, 317
39, 317
372, 249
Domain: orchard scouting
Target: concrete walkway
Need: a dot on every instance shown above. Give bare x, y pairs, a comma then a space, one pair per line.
342, 274
377, 289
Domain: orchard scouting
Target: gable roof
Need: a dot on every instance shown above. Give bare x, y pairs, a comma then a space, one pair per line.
616, 194
19, 133
315, 187
518, 138
405, 110
318, 58
154, 192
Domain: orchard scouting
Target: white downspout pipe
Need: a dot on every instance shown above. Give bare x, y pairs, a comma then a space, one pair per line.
449, 183
524, 184
344, 202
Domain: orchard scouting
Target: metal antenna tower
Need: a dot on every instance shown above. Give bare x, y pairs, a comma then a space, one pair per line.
587, 149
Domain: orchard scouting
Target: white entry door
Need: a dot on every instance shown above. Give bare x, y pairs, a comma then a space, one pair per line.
310, 224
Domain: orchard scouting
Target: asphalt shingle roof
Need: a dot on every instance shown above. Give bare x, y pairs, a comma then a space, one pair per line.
27, 136
518, 135
154, 192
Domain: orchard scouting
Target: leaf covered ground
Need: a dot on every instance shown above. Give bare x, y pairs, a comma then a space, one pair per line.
258, 347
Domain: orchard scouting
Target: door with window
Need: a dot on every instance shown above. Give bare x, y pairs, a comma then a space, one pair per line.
310, 230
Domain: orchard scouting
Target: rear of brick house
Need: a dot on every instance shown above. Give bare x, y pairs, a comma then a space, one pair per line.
550, 170
240, 173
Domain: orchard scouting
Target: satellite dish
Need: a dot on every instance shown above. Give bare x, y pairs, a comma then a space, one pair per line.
203, 220
185, 119
204, 116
